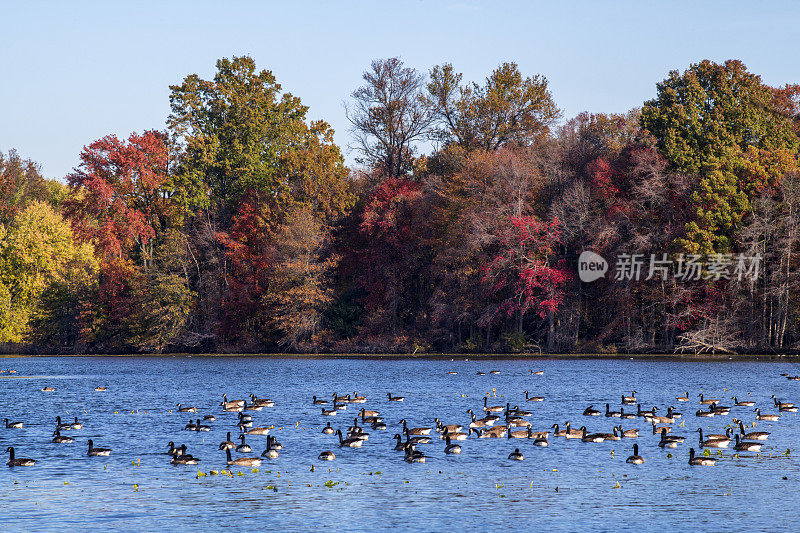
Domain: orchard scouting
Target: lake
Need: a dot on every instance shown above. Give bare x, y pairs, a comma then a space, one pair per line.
567, 486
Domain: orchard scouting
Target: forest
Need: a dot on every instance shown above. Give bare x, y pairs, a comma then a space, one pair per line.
239, 228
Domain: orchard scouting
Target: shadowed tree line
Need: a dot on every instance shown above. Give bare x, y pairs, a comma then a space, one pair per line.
239, 227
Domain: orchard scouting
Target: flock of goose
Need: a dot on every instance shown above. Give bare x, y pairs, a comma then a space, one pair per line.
497, 421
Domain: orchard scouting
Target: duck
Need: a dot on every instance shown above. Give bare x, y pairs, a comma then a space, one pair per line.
628, 433
767, 417
227, 444
612, 414
62, 427
491, 408
200, 427
635, 459
243, 447
19, 461
753, 435
707, 401
328, 430
412, 455
743, 403
629, 400
319, 401
12, 425
182, 409
591, 411
745, 446
700, 461
395, 398
533, 398
242, 461
516, 455
327, 455
684, 398
414, 431
450, 448
95, 452
712, 443
58, 438
348, 442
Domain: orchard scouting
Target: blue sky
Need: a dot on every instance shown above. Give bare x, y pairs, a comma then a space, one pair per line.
75, 71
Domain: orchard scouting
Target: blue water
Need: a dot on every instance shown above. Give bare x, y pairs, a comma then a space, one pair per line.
567, 486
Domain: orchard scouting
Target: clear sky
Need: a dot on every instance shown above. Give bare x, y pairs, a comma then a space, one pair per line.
73, 72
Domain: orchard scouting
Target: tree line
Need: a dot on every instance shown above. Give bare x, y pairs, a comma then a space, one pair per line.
240, 228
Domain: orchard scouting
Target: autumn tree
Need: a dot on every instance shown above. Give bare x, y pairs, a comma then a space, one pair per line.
389, 115
506, 108
21, 182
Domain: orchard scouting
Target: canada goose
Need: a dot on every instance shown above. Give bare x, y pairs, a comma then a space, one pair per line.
629, 400
395, 398
349, 442
541, 441
669, 441
366, 414
591, 437
48, 389
704, 414
328, 412
227, 444
720, 436
672, 413
537, 434
230, 405
626, 416
452, 428
252, 407
399, 445
319, 401
327, 455
491, 408
358, 399
707, 401
719, 409
479, 423
558, 432
453, 435
479, 373
414, 431
355, 431
658, 429
340, 399
243, 447
538, 373
660, 419
767, 417
573, 433
743, 403
378, 425
519, 434
200, 427
786, 408
516, 455
533, 398
754, 435
684, 398
591, 411
412, 455
700, 461
257, 431
271, 452
58, 438
635, 459
261, 402
21, 461
328, 430
12, 425
210, 418
745, 446
191, 426
183, 459
182, 409
516, 411
94, 452
418, 439
712, 443
244, 417
242, 461
495, 372
646, 414
778, 403
517, 422
62, 427
494, 432
451, 448
100, 389
628, 433
173, 450
612, 414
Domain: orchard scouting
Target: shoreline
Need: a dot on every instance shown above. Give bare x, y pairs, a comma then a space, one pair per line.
449, 356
